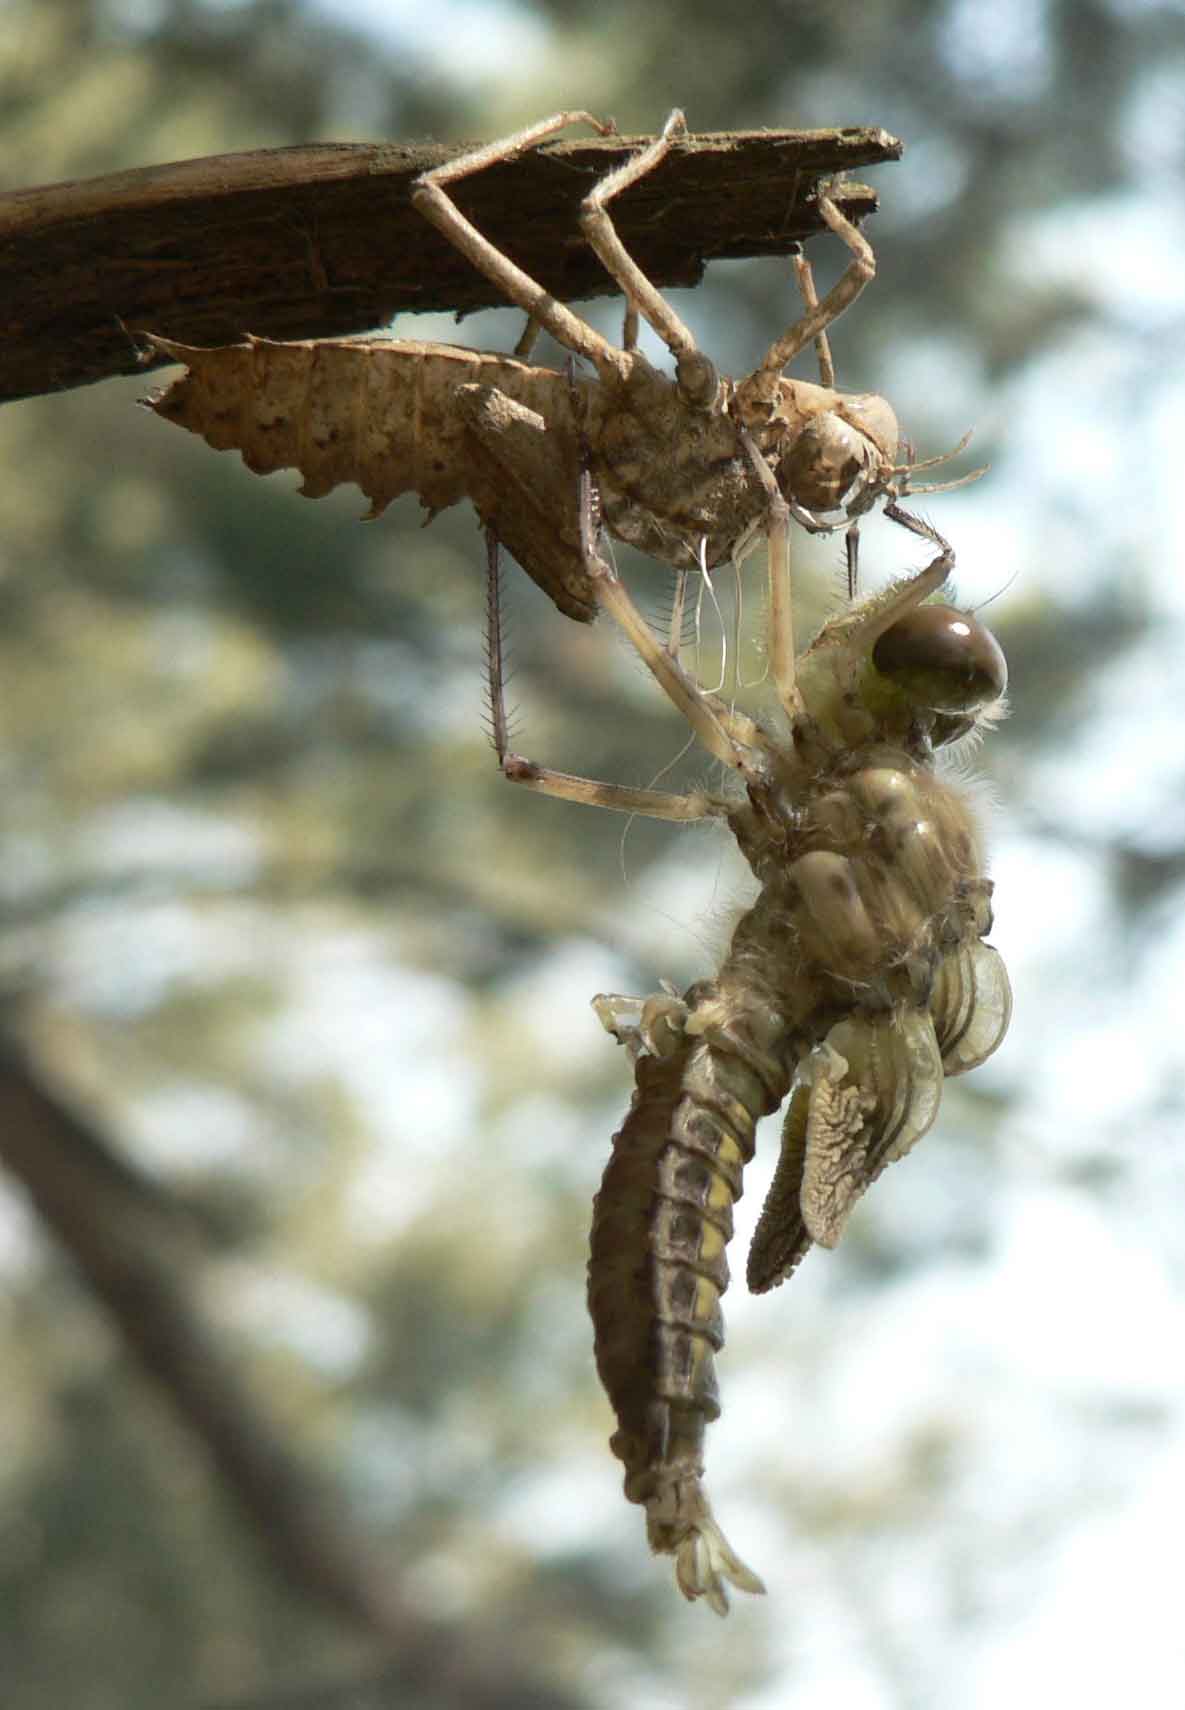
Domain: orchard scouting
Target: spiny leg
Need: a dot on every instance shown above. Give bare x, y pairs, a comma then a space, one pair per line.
696, 376
893, 486
657, 804
724, 732
495, 655
841, 296
436, 206
919, 526
529, 336
851, 547
678, 607
867, 623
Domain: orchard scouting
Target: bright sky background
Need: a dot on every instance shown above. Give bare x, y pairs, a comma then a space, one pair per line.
1048, 1356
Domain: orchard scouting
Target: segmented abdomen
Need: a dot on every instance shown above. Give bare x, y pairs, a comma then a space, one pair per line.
382, 413
661, 1223
398, 416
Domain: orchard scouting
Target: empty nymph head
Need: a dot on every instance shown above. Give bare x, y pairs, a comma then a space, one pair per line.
839, 452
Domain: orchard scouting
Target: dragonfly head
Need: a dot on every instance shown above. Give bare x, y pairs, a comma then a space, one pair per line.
942, 661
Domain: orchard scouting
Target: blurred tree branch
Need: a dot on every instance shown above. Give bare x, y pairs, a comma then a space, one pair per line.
311, 242
139, 1254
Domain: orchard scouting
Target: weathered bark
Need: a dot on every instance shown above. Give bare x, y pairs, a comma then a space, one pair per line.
318, 241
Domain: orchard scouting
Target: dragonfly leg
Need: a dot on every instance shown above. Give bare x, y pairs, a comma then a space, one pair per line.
806, 284
696, 376
851, 546
433, 201
864, 624
728, 734
856, 275
567, 786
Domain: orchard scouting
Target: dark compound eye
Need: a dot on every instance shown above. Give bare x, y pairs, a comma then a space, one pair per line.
943, 659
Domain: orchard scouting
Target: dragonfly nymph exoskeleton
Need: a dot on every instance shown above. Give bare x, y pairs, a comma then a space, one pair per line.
447, 422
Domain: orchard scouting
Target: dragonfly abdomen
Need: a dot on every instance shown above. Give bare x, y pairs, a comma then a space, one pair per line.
661, 1223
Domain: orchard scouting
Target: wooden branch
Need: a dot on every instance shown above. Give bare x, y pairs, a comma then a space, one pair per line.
320, 241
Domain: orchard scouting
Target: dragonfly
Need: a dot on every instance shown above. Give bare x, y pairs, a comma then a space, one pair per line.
860, 976
857, 980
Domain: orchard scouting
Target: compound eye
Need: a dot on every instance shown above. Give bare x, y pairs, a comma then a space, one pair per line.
943, 659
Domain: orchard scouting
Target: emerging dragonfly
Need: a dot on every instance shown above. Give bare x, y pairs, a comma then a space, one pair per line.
856, 981
859, 977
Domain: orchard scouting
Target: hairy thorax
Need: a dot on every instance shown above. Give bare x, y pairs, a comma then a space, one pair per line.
868, 877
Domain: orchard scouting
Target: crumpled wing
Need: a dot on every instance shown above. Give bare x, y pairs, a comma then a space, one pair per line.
864, 1097
781, 1237
971, 1003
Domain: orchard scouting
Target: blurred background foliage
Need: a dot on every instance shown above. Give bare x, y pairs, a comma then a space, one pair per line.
302, 1101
